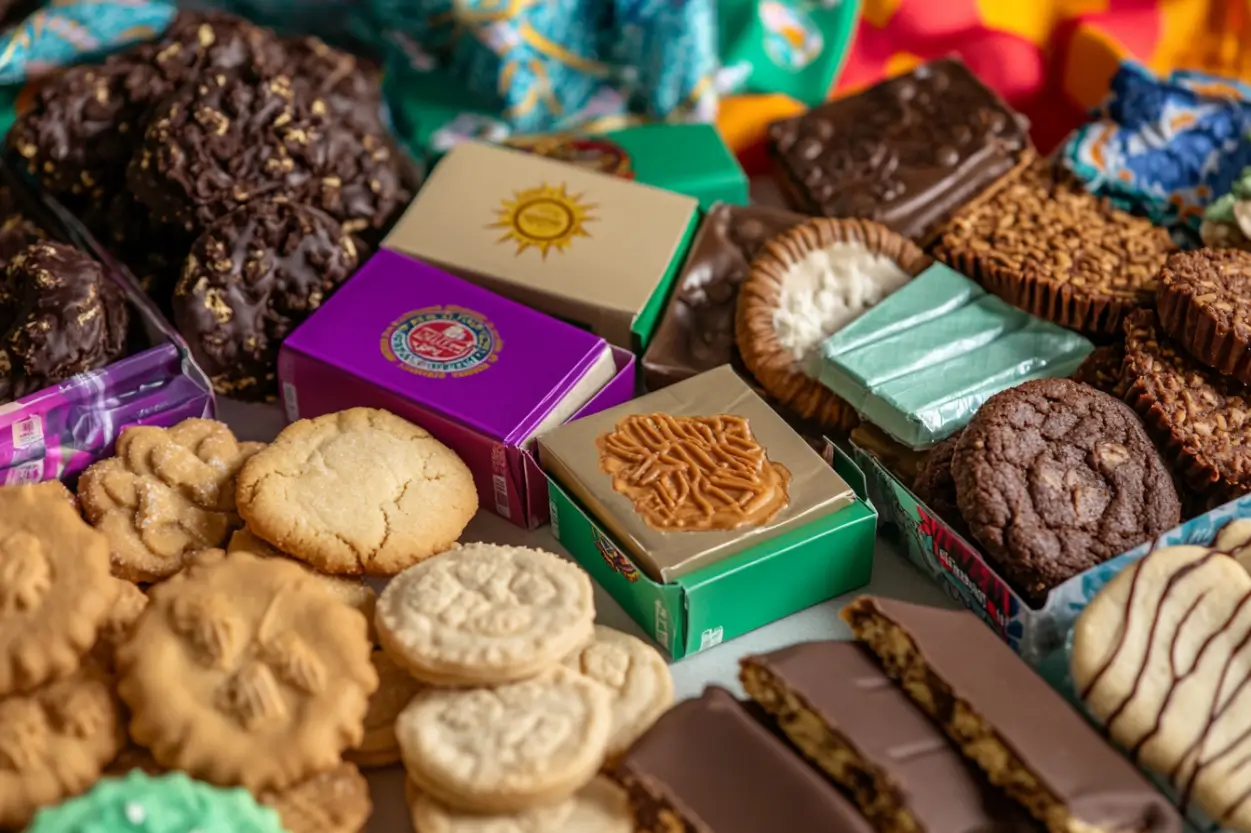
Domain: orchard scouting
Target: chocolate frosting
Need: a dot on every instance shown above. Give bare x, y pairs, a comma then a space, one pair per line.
1094, 781
843, 684
696, 332
725, 773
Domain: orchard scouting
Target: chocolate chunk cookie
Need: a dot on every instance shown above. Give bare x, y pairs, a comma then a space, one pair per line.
1202, 304
1200, 419
251, 278
936, 488
1102, 369
62, 315
1054, 477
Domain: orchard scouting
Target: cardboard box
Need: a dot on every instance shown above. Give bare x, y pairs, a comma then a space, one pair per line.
779, 576
479, 372
595, 250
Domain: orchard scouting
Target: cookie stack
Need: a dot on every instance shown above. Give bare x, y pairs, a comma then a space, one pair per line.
260, 156
1051, 478
523, 698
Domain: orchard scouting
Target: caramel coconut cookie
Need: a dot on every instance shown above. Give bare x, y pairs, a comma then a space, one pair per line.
599, 807
510, 748
55, 590
359, 491
1200, 419
483, 614
1053, 477
272, 674
168, 493
1202, 305
807, 284
1048, 246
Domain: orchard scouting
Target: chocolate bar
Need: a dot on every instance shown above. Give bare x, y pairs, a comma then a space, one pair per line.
708, 766
836, 704
696, 332
907, 152
1019, 731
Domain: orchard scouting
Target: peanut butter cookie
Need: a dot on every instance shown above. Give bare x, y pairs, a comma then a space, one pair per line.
243, 671
359, 491
117, 625
635, 675
168, 493
334, 801
55, 590
599, 807
483, 614
510, 748
396, 689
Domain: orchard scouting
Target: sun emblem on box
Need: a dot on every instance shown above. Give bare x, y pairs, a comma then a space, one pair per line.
544, 218
614, 557
442, 341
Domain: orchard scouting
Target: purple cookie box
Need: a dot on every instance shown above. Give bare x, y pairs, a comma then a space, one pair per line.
55, 433
478, 371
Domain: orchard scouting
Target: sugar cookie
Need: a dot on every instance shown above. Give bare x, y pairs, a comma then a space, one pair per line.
273, 673
635, 675
506, 749
359, 491
599, 807
334, 801
396, 689
484, 614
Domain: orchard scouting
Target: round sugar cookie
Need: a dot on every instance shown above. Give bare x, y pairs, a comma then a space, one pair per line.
359, 491
485, 614
510, 748
599, 807
635, 675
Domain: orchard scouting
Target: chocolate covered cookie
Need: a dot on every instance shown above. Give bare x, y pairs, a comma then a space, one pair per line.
209, 40
351, 89
1202, 305
250, 279
17, 230
1053, 477
61, 315
936, 487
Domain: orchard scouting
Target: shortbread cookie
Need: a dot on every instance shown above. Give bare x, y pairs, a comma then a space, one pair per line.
173, 803
483, 614
599, 807
133, 757
396, 689
334, 801
55, 589
168, 493
55, 742
807, 284
127, 607
359, 491
272, 673
1235, 540
635, 675
507, 749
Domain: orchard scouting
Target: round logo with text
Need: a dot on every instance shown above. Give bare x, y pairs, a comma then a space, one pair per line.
791, 39
442, 341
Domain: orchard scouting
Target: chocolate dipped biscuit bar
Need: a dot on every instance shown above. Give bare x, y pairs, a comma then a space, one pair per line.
707, 766
840, 709
1020, 732
908, 152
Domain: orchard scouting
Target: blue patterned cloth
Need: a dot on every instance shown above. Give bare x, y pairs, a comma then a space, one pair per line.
1165, 148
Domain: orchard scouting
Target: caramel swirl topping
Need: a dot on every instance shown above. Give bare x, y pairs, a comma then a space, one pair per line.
693, 473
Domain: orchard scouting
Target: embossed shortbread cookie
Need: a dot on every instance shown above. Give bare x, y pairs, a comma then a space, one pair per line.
506, 749
1162, 656
599, 807
396, 688
125, 611
168, 493
482, 614
55, 742
244, 671
334, 801
55, 589
635, 674
360, 491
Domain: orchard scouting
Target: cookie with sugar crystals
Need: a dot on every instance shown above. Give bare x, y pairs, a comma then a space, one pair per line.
806, 284
358, 491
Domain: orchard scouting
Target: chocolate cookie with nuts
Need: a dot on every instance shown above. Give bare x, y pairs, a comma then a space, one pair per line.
936, 487
1202, 304
1054, 477
1049, 247
351, 89
1102, 369
250, 279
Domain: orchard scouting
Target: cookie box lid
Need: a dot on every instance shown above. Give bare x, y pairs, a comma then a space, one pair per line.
594, 249
467, 354
920, 363
692, 474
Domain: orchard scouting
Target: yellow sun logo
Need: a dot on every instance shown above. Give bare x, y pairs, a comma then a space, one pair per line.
544, 218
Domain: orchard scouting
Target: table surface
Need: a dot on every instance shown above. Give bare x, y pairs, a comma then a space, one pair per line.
892, 576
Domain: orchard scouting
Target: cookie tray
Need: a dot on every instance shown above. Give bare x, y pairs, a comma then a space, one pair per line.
963, 572
57, 432
830, 556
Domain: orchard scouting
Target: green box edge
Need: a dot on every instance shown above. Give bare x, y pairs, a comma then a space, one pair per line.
648, 318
